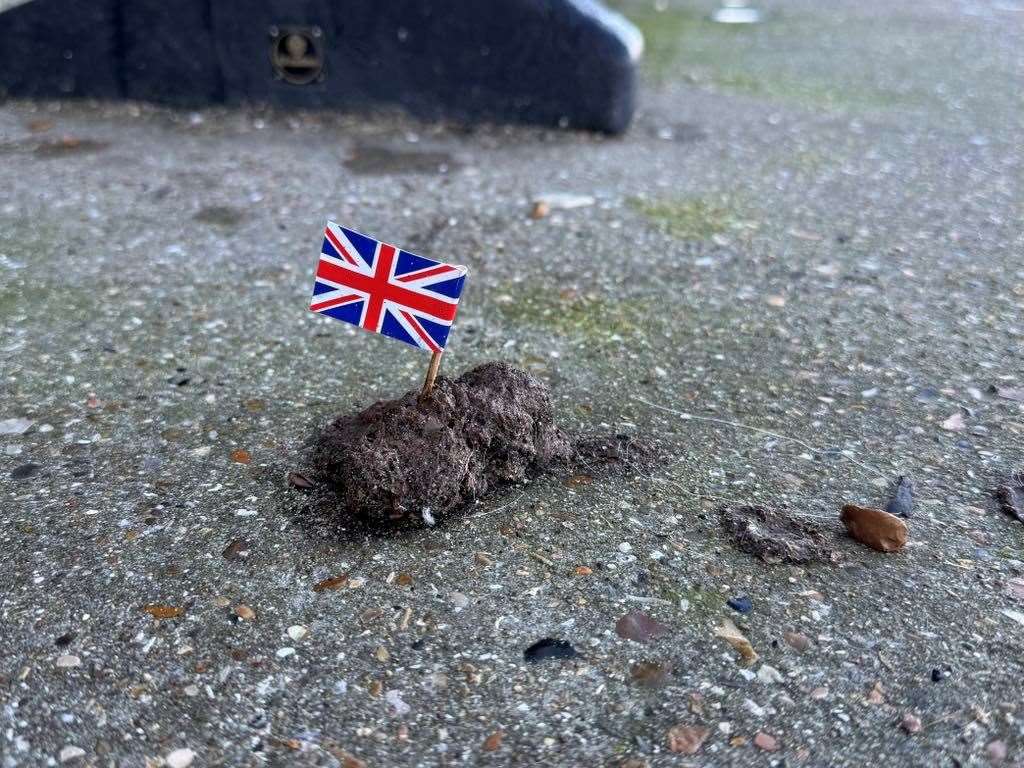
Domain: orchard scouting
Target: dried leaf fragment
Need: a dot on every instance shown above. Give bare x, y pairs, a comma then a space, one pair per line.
732, 635
686, 739
335, 582
874, 528
163, 611
299, 481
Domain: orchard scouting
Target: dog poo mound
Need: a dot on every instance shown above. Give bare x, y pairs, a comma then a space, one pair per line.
421, 457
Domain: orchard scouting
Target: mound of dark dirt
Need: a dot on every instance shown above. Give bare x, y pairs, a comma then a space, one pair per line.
774, 535
399, 458
1011, 496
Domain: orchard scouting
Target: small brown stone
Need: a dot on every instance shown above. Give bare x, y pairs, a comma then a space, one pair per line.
238, 549
797, 641
875, 528
911, 723
650, 674
696, 703
483, 558
996, 752
244, 612
766, 742
639, 627
493, 742
346, 759
370, 615
686, 739
164, 611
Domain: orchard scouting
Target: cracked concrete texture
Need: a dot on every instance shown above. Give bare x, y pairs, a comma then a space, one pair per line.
845, 272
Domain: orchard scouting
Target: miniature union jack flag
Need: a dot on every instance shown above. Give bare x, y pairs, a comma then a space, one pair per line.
386, 290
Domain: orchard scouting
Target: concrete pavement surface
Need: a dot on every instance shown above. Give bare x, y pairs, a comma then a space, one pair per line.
813, 228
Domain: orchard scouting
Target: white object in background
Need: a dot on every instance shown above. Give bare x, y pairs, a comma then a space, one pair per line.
736, 12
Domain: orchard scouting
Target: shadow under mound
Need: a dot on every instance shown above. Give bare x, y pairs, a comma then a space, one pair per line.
614, 455
421, 457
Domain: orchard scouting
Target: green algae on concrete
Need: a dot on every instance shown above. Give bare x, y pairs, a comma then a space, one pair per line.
223, 216
698, 603
688, 218
570, 313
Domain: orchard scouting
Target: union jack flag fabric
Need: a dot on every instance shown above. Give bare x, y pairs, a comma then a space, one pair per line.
386, 290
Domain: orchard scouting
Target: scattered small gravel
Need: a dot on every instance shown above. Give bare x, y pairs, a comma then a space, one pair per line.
825, 248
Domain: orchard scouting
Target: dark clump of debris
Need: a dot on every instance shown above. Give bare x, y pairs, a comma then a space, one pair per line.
422, 456
775, 536
614, 454
901, 497
549, 648
1011, 496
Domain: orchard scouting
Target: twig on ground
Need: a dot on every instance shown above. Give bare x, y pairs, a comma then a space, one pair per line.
487, 512
647, 600
737, 425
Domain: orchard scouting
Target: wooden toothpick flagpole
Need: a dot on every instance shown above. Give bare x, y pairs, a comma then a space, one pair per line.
435, 363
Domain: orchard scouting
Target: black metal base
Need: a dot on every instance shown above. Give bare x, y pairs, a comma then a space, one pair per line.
554, 62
